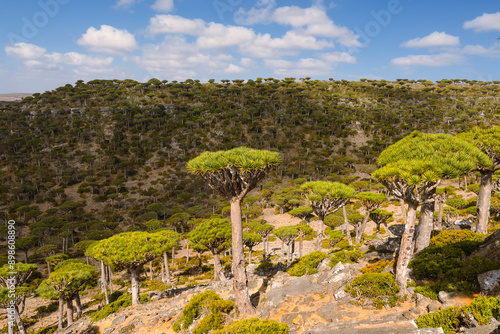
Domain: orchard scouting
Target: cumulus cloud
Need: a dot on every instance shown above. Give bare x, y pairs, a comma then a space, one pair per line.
216, 36
173, 24
261, 13
338, 57
436, 60
479, 50
176, 58
301, 67
108, 40
484, 22
435, 39
163, 6
125, 3
34, 56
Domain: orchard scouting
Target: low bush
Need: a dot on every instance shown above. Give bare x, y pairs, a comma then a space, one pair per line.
380, 288
307, 265
451, 319
121, 302
345, 256
254, 326
377, 267
207, 302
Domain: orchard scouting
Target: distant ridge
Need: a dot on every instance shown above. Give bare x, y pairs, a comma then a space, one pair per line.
12, 97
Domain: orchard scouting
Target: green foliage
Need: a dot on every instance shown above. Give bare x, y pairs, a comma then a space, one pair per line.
446, 318
483, 309
319, 191
46, 330
380, 288
286, 233
377, 267
334, 237
208, 301
243, 158
122, 302
448, 263
213, 234
307, 264
345, 256
428, 290
457, 202
254, 326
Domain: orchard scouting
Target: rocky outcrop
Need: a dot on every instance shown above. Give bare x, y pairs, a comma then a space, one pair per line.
490, 248
490, 283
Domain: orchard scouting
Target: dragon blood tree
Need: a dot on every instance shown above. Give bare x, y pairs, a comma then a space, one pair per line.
411, 169
325, 198
232, 174
131, 250
488, 141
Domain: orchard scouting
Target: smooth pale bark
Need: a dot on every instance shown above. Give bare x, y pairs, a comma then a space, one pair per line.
61, 312
168, 280
78, 304
48, 268
362, 227
439, 222
241, 296
150, 270
10, 325
218, 274
425, 225
187, 250
301, 241
110, 280
103, 283
134, 278
483, 201
20, 325
319, 238
406, 249
346, 226
69, 311
199, 262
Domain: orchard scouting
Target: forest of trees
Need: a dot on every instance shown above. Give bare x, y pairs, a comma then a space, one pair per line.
108, 159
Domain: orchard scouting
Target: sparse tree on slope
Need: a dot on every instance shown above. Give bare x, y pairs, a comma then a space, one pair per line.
488, 140
287, 234
251, 240
167, 239
13, 291
326, 198
263, 229
411, 170
233, 174
369, 201
131, 250
380, 216
215, 235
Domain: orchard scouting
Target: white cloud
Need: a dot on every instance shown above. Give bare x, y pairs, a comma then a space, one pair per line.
34, 56
216, 36
338, 57
179, 60
163, 6
24, 51
108, 40
173, 24
435, 39
261, 13
247, 62
299, 17
436, 60
125, 3
484, 22
479, 50
301, 67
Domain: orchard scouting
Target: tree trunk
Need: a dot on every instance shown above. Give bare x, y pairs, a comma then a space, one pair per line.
48, 267
200, 265
69, 311
439, 222
134, 278
425, 225
78, 303
301, 242
249, 255
103, 283
10, 325
406, 249
218, 274
359, 235
150, 270
319, 238
241, 297
20, 325
346, 226
61, 311
110, 280
483, 201
187, 250
167, 268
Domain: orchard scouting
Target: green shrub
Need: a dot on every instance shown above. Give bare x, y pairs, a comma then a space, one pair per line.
428, 291
52, 307
263, 266
254, 326
345, 256
46, 330
155, 285
307, 265
121, 302
203, 302
446, 261
446, 318
380, 288
451, 318
377, 267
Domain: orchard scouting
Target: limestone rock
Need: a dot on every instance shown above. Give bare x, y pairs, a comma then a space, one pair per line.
490, 248
489, 282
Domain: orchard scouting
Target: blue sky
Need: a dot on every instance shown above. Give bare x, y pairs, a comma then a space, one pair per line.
49, 43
